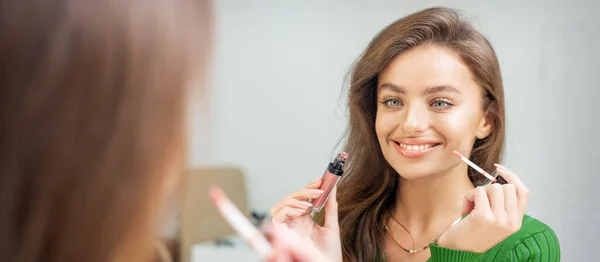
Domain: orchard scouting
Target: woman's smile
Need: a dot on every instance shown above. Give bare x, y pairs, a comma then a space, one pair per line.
415, 147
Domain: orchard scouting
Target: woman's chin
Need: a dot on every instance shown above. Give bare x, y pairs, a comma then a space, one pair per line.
414, 176
417, 173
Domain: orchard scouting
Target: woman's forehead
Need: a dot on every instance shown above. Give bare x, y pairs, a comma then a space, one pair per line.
427, 67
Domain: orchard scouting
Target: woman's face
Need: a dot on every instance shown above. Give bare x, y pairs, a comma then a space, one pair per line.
428, 105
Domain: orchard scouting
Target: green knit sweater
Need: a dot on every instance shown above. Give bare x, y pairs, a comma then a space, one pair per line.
535, 241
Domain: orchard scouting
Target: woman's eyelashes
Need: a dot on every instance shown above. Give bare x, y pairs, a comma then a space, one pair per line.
438, 104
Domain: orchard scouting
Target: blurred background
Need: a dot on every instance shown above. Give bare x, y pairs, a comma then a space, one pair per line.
277, 111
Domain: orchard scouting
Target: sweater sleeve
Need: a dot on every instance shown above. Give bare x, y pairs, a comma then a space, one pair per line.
542, 246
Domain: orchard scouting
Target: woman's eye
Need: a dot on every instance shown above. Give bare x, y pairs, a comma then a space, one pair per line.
391, 102
441, 104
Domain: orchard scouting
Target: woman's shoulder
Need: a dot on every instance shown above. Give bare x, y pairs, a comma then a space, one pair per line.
531, 226
535, 239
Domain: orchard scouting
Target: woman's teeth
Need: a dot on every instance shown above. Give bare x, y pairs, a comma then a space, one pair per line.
416, 147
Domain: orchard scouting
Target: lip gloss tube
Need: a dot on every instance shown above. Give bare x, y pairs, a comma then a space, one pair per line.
331, 177
500, 180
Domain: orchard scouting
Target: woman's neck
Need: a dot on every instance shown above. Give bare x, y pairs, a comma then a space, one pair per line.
429, 203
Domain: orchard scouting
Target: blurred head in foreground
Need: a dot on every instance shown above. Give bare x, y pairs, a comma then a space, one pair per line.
92, 122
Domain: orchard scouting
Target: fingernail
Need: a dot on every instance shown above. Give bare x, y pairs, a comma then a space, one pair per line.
500, 167
306, 204
299, 211
315, 191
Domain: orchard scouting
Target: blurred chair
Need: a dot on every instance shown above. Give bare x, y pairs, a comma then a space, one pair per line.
200, 221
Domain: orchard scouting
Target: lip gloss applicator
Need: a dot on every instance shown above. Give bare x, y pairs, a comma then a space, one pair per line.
500, 180
332, 176
240, 223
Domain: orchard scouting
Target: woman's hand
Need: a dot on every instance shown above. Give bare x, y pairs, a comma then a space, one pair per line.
294, 212
496, 212
296, 204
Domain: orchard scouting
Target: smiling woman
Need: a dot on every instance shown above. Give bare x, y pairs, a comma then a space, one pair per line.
428, 85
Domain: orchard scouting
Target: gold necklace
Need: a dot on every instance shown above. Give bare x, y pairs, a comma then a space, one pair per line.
412, 251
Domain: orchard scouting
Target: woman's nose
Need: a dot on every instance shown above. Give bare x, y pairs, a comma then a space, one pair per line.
416, 120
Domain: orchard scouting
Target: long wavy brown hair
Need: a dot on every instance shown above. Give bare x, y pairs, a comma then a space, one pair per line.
92, 120
367, 192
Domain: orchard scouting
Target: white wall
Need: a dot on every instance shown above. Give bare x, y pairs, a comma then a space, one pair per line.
277, 112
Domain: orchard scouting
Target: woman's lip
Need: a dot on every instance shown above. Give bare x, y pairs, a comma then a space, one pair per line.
416, 141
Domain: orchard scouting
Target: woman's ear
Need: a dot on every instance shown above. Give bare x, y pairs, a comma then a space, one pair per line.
485, 126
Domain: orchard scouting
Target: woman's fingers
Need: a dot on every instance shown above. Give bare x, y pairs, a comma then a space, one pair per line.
522, 190
287, 213
511, 204
305, 194
293, 203
468, 204
496, 197
480, 200
298, 199
503, 206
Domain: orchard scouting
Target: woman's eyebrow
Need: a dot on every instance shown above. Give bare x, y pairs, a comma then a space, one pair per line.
428, 91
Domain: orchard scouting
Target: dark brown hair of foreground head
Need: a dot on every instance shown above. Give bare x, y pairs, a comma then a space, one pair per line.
92, 107
367, 192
